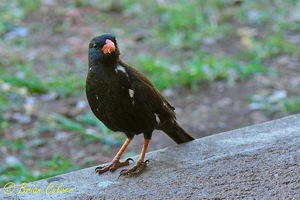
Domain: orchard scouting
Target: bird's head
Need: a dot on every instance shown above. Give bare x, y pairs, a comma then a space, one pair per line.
103, 49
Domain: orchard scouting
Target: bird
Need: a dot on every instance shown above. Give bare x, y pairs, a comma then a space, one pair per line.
124, 100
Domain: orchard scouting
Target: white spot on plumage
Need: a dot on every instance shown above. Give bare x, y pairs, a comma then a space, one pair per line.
121, 69
97, 97
157, 118
131, 93
90, 68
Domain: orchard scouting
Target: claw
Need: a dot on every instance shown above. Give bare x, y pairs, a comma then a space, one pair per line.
115, 164
121, 173
99, 168
135, 170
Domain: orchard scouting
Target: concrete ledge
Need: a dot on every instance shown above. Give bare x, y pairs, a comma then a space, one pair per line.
261, 162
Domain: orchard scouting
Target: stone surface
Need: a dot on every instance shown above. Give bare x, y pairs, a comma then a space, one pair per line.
257, 162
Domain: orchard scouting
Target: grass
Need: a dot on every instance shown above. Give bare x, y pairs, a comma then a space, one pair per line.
291, 105
179, 29
215, 21
12, 12
18, 79
18, 173
277, 102
202, 20
201, 69
80, 124
24, 76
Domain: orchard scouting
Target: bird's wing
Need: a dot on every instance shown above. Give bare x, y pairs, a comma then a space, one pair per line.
147, 96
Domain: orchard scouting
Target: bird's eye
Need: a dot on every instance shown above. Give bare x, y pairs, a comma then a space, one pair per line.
95, 46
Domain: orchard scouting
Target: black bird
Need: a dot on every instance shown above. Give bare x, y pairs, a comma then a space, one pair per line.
126, 101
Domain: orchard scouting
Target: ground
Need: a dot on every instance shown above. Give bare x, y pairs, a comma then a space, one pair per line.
57, 123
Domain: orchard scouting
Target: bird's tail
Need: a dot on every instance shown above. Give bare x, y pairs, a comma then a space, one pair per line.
178, 134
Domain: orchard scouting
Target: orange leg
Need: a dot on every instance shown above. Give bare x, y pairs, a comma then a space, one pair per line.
144, 150
115, 163
140, 165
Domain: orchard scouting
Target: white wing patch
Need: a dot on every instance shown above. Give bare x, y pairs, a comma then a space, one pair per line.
131, 93
157, 118
121, 69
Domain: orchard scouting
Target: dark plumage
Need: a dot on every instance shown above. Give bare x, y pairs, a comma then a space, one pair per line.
126, 101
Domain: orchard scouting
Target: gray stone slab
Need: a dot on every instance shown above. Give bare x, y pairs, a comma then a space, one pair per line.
256, 162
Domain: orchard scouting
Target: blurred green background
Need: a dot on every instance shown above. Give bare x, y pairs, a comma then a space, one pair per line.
223, 64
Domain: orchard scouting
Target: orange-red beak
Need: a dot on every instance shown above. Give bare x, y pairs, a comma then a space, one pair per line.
108, 47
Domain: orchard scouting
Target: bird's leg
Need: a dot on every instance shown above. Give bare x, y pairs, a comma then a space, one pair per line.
140, 165
115, 163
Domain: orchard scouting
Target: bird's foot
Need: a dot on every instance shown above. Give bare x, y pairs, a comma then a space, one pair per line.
115, 164
135, 170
